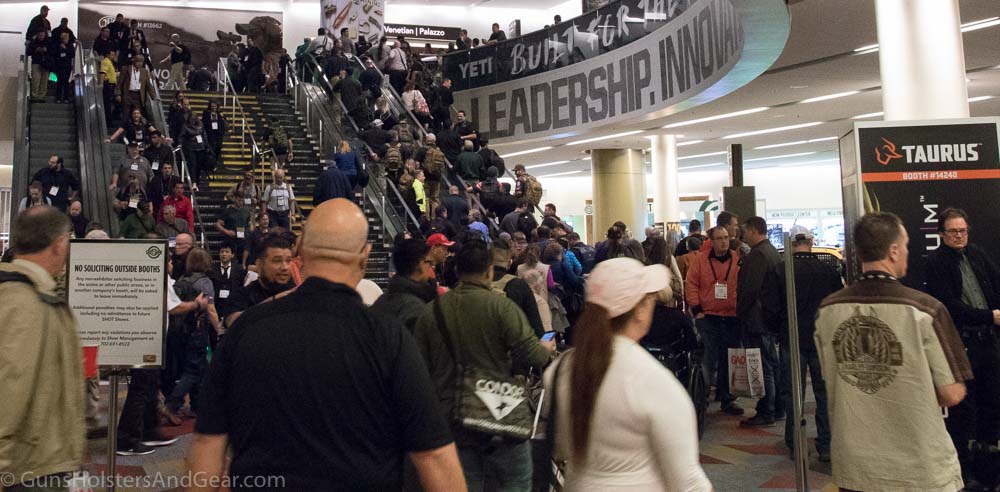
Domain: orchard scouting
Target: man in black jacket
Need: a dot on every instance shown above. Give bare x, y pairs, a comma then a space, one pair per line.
38, 23
814, 280
411, 289
753, 269
350, 93
371, 80
966, 281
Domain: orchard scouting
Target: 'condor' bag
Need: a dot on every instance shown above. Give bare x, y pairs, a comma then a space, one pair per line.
485, 401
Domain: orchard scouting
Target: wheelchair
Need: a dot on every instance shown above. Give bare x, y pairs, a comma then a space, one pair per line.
674, 342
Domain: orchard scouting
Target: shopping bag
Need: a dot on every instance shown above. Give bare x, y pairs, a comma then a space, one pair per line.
746, 372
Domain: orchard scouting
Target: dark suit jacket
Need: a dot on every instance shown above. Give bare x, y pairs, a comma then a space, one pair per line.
235, 282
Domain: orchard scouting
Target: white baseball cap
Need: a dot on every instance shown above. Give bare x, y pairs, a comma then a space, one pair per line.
619, 284
799, 230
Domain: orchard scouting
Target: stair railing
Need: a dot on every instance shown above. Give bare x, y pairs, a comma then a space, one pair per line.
310, 100
228, 88
21, 172
396, 102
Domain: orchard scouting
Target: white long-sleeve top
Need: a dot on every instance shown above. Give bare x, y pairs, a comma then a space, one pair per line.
643, 432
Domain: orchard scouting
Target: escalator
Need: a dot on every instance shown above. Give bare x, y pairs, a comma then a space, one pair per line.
74, 132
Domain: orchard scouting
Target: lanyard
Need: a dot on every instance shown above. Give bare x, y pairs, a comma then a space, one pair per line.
728, 269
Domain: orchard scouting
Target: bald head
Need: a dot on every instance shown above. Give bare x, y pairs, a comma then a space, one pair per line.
336, 235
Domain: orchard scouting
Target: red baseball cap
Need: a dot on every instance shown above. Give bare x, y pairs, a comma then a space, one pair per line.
438, 239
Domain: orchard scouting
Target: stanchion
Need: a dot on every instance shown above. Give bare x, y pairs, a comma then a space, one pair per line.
115, 378
799, 440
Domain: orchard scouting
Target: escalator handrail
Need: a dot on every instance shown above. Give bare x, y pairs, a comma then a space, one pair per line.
95, 155
423, 129
21, 172
227, 86
314, 67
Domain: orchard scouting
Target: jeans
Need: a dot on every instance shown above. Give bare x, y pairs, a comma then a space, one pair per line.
63, 90
770, 406
809, 359
977, 417
195, 366
506, 467
139, 413
719, 334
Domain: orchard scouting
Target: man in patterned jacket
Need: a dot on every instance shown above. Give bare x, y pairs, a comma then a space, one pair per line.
891, 358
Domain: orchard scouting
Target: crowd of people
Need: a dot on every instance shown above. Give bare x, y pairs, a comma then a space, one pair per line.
468, 312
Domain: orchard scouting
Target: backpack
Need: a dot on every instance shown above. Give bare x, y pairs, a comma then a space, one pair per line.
404, 133
393, 158
532, 189
434, 164
279, 138
499, 286
186, 291
585, 254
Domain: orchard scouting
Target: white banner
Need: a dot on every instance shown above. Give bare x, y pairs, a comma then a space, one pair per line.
117, 288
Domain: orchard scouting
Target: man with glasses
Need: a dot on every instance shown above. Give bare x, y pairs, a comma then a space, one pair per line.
967, 281
710, 290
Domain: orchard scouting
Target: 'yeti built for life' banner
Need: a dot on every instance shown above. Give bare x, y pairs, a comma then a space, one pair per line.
916, 169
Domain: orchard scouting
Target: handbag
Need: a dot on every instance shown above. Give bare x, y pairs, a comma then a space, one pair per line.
746, 372
485, 401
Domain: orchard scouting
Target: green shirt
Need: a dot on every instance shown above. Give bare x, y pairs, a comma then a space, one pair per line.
491, 332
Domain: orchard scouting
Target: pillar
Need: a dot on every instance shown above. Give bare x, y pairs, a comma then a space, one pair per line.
619, 181
921, 59
666, 193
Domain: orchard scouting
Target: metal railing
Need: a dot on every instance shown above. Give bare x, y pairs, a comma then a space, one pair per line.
155, 103
236, 108
401, 111
316, 102
21, 172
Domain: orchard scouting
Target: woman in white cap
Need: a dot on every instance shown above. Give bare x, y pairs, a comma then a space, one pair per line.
621, 420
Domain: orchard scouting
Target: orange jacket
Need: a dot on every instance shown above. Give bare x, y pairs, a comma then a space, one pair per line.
704, 271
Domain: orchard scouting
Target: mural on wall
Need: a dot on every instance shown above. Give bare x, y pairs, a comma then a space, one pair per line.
201, 30
362, 18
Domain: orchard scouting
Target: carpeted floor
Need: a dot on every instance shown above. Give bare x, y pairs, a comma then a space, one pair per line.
735, 459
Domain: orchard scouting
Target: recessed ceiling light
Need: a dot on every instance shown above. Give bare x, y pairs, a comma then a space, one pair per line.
800, 154
798, 142
718, 117
561, 174
867, 48
980, 98
547, 164
867, 115
525, 152
980, 24
798, 87
773, 130
702, 155
606, 137
690, 142
702, 165
829, 96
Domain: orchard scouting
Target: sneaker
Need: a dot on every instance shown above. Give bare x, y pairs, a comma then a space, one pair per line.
732, 408
757, 421
824, 455
157, 439
137, 449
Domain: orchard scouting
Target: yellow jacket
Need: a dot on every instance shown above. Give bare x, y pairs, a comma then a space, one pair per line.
41, 375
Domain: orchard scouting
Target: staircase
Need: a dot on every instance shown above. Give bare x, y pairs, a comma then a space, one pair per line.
53, 131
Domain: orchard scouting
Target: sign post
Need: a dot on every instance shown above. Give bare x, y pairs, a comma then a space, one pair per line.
799, 443
118, 291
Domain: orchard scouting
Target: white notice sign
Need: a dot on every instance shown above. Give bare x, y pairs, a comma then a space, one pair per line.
117, 288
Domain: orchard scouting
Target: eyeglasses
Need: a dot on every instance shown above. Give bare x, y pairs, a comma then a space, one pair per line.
957, 232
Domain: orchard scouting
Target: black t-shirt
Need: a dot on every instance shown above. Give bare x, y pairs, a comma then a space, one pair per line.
257, 292
314, 388
498, 36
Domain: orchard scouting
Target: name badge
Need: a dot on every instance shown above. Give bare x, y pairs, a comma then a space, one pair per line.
223, 294
282, 201
172, 242
138, 134
53, 191
133, 202
240, 234
134, 167
62, 55
247, 201
197, 138
156, 165
721, 292
215, 125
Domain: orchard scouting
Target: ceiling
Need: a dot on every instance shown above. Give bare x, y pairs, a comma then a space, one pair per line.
819, 59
